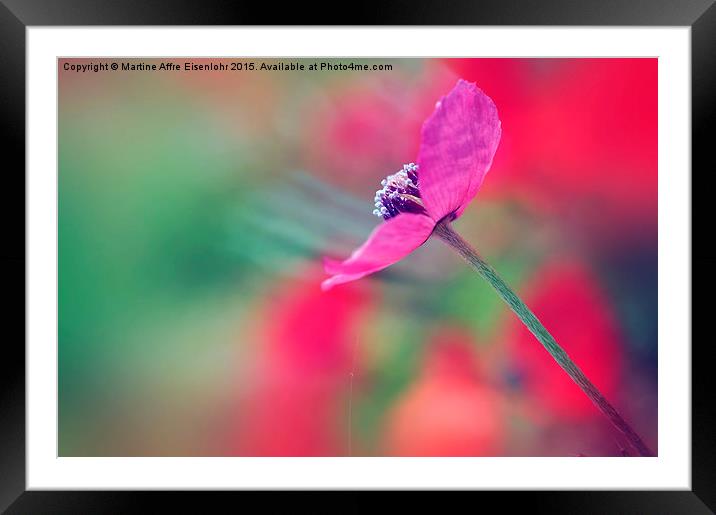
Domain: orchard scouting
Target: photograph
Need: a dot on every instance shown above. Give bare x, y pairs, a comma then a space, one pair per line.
451, 248
358, 257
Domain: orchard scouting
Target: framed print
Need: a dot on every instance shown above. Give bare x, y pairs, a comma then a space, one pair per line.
451, 252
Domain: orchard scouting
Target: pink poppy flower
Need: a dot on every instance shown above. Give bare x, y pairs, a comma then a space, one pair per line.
458, 142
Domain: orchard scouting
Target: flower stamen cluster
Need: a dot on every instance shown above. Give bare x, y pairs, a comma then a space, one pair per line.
400, 194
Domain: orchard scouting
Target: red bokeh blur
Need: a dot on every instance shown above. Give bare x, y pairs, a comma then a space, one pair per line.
449, 410
307, 338
579, 137
567, 299
361, 132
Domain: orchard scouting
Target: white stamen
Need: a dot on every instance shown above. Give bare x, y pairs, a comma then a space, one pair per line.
397, 181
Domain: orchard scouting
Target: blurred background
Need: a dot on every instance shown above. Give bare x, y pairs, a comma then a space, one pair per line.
195, 207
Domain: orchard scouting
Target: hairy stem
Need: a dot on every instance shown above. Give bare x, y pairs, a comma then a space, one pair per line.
445, 231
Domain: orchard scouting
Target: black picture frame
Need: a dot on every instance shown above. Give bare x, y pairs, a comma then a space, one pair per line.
16, 15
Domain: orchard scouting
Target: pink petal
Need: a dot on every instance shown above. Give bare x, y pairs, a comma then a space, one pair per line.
388, 243
458, 143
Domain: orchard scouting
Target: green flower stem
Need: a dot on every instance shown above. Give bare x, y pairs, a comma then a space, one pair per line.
445, 231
